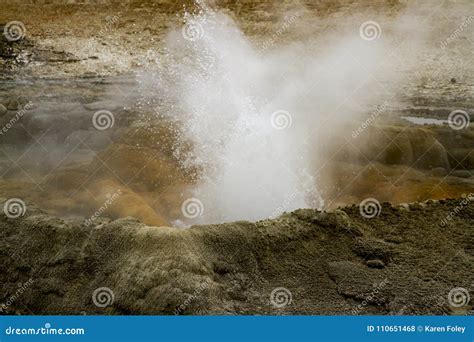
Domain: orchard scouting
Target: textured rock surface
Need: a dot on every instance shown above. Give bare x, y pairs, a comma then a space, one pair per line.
322, 259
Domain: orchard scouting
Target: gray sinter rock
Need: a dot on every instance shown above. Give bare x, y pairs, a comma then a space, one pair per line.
327, 263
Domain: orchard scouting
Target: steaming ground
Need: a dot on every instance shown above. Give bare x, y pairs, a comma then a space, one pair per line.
253, 116
278, 105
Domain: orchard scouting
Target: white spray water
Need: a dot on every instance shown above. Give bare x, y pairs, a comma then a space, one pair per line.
254, 116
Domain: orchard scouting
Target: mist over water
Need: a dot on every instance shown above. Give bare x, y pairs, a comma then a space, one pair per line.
255, 117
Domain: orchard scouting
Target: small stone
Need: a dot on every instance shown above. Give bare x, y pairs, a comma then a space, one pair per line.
13, 104
431, 202
417, 206
375, 263
461, 173
403, 207
3, 110
439, 172
343, 221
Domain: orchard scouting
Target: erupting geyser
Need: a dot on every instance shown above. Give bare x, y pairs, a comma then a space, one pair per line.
251, 114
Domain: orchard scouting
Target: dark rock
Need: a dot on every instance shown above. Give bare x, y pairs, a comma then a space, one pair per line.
375, 263
3, 110
439, 172
13, 104
461, 173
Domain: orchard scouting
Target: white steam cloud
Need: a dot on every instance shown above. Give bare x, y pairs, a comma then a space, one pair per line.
258, 118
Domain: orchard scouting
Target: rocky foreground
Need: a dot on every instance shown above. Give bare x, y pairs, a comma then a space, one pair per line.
412, 259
